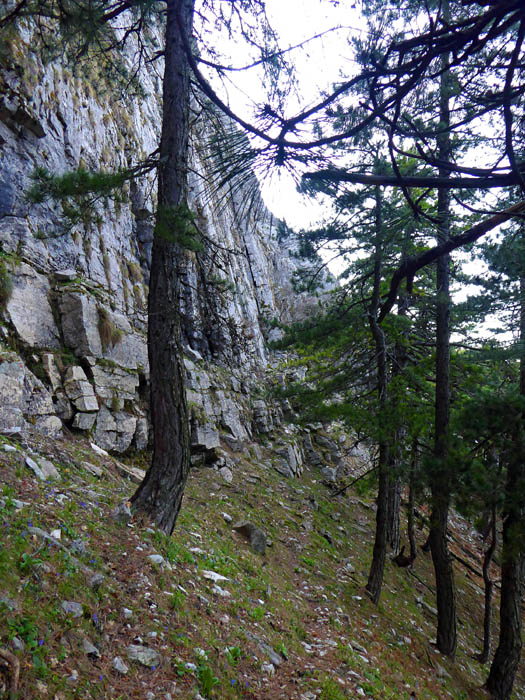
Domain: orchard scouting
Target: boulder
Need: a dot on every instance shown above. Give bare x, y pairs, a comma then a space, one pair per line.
144, 655
79, 315
23, 395
50, 426
115, 381
261, 417
115, 431
30, 311
79, 390
204, 437
253, 534
141, 437
84, 421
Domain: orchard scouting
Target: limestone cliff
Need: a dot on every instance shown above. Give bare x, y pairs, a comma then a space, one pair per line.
74, 318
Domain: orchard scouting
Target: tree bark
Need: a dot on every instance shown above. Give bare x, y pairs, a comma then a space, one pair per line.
412, 501
441, 478
506, 659
160, 494
394, 505
375, 576
484, 655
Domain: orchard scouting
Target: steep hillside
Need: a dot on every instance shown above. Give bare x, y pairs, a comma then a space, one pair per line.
97, 605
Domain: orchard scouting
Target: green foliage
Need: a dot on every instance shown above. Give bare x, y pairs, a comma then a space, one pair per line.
331, 691
177, 225
73, 184
27, 563
234, 655
207, 681
6, 284
177, 600
26, 629
257, 613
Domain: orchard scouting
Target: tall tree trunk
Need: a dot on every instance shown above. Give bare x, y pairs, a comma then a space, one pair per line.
483, 656
441, 478
393, 525
160, 494
412, 500
507, 656
375, 576
399, 362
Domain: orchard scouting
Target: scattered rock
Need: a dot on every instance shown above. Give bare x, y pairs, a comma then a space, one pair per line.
48, 469
143, 655
122, 513
18, 644
222, 592
213, 576
119, 665
35, 468
98, 450
268, 669
253, 534
90, 649
227, 474
227, 518
77, 547
84, 421
72, 608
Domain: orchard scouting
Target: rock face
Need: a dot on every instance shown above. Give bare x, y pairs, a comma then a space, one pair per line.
77, 311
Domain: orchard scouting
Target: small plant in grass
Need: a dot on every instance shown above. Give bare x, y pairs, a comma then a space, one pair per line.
177, 600
207, 681
27, 563
331, 691
233, 654
26, 629
281, 648
257, 613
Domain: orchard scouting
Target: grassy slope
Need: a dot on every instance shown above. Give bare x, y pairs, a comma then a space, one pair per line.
301, 598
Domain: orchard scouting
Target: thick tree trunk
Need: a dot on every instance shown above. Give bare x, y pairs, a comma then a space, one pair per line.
440, 482
507, 656
160, 494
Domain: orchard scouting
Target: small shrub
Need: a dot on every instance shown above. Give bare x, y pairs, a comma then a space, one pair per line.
135, 273
110, 335
6, 285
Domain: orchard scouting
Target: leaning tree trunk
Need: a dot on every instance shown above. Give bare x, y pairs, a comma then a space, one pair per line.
375, 576
441, 477
506, 659
160, 494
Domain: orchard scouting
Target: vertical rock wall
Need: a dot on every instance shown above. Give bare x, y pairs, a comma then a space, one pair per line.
74, 317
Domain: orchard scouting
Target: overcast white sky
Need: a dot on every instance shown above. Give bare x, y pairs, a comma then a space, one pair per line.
317, 67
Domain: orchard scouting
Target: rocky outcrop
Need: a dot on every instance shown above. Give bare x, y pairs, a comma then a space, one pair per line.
77, 311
